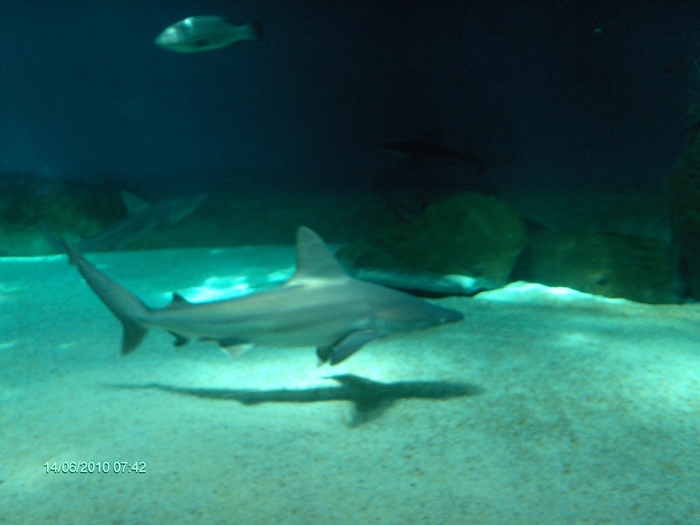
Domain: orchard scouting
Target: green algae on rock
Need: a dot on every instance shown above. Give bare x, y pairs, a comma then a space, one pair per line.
612, 265
684, 194
468, 234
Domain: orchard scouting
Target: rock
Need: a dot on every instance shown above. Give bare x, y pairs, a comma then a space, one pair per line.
611, 265
684, 194
639, 213
475, 237
27, 200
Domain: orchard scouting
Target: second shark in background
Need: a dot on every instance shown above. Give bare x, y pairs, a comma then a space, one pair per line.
142, 219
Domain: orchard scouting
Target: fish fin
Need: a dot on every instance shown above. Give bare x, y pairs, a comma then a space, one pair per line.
132, 202
351, 343
324, 354
179, 300
133, 335
237, 350
314, 259
258, 31
125, 306
180, 340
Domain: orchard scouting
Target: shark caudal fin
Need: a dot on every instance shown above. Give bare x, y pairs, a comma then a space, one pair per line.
126, 307
257, 29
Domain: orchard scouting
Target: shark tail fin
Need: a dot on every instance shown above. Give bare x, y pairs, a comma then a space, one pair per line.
133, 335
257, 29
127, 307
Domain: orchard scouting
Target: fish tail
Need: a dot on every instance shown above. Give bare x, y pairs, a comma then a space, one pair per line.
132, 335
125, 306
257, 29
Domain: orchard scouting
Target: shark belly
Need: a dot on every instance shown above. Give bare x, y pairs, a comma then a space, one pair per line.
285, 317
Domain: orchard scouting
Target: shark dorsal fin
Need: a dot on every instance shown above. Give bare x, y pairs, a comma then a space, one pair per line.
132, 202
179, 300
314, 259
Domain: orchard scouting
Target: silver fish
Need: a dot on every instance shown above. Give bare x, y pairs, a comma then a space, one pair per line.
204, 33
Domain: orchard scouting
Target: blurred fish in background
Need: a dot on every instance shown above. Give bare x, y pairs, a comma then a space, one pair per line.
204, 33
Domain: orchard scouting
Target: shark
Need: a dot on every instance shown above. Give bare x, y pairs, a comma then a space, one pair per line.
320, 306
431, 149
429, 171
142, 219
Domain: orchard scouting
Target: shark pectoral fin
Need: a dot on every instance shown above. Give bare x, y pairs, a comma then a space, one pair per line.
351, 343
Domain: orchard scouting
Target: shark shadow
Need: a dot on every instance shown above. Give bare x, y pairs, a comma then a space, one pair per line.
370, 398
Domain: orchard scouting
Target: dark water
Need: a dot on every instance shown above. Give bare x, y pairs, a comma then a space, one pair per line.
563, 92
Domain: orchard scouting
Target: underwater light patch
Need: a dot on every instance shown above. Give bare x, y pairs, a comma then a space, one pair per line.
32, 258
229, 287
217, 288
280, 276
524, 292
8, 344
576, 340
7, 291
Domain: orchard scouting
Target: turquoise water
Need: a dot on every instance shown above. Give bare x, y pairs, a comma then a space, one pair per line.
542, 406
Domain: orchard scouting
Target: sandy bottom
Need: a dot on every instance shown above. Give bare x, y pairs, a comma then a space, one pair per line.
539, 408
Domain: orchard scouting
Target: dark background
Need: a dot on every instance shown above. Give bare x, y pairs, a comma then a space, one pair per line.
576, 93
